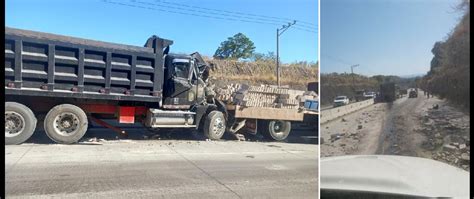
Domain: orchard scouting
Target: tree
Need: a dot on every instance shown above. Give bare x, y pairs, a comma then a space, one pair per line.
269, 56
237, 47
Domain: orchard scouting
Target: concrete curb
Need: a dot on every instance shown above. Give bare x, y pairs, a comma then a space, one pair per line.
331, 114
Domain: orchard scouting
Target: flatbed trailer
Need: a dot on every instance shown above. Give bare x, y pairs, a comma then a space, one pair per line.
275, 122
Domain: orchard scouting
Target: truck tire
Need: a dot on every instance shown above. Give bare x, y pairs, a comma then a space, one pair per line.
276, 129
20, 123
65, 124
214, 125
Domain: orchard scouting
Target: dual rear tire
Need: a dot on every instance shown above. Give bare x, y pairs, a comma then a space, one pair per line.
20, 123
64, 123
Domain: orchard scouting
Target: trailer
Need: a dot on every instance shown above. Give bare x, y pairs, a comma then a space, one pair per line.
68, 82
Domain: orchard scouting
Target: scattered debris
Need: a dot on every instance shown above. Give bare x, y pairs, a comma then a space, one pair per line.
239, 137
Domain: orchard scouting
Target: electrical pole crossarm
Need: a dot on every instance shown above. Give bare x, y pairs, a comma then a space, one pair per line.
285, 27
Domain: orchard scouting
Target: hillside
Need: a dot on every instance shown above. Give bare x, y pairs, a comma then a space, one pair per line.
449, 76
297, 76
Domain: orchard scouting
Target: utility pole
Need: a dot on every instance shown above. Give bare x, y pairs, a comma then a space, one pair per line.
283, 29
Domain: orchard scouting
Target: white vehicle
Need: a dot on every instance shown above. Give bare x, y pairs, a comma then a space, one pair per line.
369, 94
341, 101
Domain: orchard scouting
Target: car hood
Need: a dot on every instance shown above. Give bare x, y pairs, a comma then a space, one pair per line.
339, 100
394, 174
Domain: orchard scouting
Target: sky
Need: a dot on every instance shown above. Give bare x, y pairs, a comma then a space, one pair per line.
387, 37
107, 21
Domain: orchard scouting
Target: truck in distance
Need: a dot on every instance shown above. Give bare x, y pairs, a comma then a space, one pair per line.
387, 92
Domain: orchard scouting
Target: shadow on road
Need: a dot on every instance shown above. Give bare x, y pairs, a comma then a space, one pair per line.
137, 132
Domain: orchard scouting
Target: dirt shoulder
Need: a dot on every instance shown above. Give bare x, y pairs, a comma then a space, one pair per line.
355, 133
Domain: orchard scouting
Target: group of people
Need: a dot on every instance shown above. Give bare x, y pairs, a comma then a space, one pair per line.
427, 94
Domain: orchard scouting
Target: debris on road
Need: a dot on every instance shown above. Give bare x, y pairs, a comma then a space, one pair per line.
448, 135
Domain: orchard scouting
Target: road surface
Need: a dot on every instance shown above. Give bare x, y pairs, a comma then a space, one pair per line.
408, 127
162, 169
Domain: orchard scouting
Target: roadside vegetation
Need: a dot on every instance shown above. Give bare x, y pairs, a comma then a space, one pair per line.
235, 61
449, 76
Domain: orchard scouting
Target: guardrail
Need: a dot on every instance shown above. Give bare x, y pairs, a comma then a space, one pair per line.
331, 114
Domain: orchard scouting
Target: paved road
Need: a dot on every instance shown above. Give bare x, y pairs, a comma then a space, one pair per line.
162, 169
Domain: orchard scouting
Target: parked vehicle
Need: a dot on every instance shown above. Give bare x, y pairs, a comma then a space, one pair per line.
369, 95
413, 94
73, 81
341, 101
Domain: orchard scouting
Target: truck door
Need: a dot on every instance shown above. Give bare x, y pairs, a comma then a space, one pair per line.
178, 84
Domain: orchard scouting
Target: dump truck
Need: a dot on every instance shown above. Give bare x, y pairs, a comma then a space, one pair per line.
387, 92
70, 82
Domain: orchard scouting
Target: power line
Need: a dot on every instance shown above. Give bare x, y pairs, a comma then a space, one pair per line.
262, 17
199, 14
200, 10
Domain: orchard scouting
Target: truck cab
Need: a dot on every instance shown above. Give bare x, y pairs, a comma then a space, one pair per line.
183, 84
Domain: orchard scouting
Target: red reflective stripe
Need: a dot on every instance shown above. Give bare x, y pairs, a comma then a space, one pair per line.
127, 114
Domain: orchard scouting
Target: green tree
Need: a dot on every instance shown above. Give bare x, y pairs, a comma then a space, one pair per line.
269, 56
237, 47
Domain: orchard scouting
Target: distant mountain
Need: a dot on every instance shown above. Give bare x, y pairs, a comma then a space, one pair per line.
412, 75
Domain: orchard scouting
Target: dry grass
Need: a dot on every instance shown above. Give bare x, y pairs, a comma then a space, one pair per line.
261, 72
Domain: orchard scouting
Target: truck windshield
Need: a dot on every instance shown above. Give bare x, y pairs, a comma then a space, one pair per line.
181, 69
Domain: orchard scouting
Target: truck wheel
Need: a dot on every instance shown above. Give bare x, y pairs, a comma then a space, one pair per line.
276, 129
20, 123
65, 124
214, 125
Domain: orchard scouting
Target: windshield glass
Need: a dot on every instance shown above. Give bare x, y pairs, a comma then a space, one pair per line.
340, 98
181, 69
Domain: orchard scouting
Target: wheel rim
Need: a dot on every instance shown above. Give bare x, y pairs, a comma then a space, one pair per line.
218, 126
14, 124
278, 130
66, 123
278, 127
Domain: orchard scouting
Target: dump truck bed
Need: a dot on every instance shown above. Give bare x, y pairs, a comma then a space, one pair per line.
43, 64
